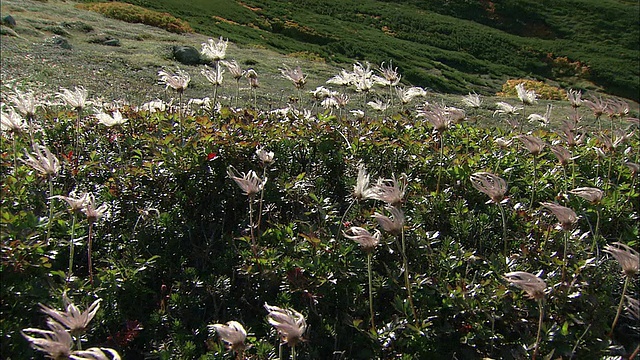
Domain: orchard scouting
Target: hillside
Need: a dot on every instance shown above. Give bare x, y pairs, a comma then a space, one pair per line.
449, 46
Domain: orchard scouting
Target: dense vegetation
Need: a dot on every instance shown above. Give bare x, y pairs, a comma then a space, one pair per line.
432, 226
449, 46
177, 246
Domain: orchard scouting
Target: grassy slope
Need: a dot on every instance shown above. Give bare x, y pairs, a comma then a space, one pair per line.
450, 46
129, 71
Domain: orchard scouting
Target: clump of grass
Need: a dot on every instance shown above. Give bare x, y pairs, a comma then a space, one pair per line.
136, 14
543, 90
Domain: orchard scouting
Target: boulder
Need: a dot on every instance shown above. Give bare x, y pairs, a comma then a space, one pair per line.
104, 40
9, 21
111, 42
187, 55
62, 42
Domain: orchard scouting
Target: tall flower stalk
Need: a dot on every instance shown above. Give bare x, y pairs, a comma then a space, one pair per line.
290, 325
535, 146
215, 77
496, 188
44, 162
251, 184
297, 77
391, 191
535, 289
440, 119
629, 261
237, 73
368, 243
527, 97
93, 213
12, 122
76, 205
254, 84
179, 82
266, 159
594, 196
77, 99
567, 219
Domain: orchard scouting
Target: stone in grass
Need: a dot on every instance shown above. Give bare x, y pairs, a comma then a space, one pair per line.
9, 21
61, 42
104, 40
187, 55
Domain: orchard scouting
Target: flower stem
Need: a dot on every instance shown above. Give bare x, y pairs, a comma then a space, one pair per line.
533, 185
237, 91
573, 351
76, 149
264, 176
635, 353
441, 162
504, 230
373, 322
615, 320
89, 252
564, 255
251, 226
50, 208
15, 155
71, 249
540, 319
407, 284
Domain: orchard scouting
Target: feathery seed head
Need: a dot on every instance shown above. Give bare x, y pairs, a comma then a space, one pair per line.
531, 284
390, 191
593, 195
492, 185
72, 318
528, 97
232, 333
626, 256
214, 50
367, 241
566, 216
77, 98
289, 323
43, 161
393, 224
249, 182
110, 120
177, 81
534, 144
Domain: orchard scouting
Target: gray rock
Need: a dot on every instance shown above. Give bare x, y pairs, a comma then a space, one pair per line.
187, 55
9, 21
62, 42
104, 40
111, 42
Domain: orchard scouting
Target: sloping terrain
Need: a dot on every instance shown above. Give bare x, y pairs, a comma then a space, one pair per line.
449, 46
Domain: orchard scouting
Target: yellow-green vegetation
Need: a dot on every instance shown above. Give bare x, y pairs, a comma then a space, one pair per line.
136, 14
543, 90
